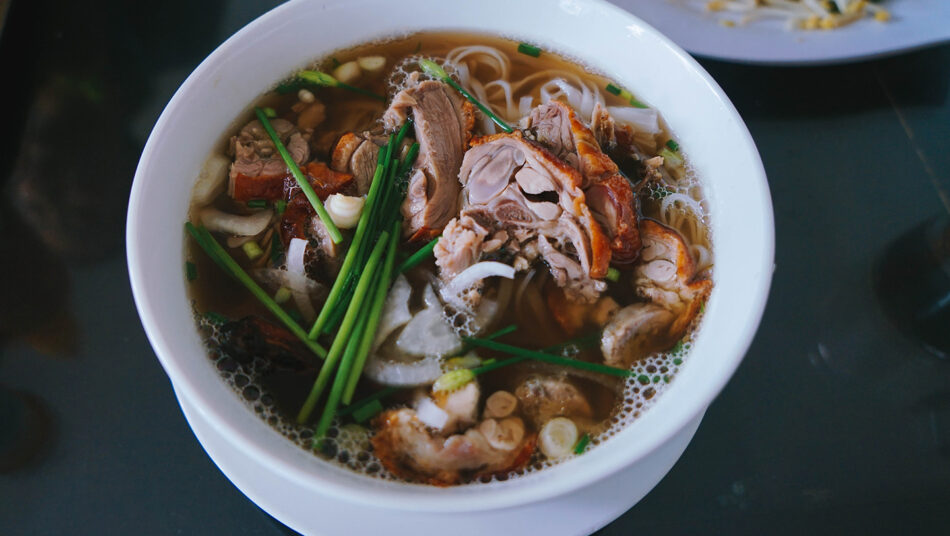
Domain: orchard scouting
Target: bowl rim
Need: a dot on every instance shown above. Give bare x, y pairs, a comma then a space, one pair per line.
447, 500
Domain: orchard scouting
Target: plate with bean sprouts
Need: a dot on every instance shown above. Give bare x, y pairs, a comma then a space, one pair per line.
797, 32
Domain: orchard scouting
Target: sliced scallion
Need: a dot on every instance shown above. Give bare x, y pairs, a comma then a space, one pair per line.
367, 412
302, 181
252, 250
282, 295
672, 145
280, 206
269, 112
613, 274
582, 444
215, 318
549, 358
256, 203
529, 50
191, 271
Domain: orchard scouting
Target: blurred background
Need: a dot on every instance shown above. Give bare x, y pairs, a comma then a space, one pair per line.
838, 421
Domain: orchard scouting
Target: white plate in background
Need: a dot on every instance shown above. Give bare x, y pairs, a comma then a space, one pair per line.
914, 24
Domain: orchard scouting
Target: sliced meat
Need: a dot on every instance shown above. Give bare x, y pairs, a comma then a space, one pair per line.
443, 124
666, 274
255, 155
511, 184
543, 397
609, 194
357, 155
635, 332
573, 316
408, 449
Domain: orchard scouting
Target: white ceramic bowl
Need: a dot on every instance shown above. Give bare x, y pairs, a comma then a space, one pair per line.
611, 41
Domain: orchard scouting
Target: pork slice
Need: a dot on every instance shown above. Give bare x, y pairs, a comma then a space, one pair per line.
610, 195
443, 123
256, 156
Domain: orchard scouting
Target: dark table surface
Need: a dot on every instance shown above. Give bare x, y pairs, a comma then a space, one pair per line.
836, 423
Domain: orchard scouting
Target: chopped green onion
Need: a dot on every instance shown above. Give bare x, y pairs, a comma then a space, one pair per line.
419, 256
216, 318
625, 95
613, 274
323, 79
549, 358
582, 444
256, 203
282, 295
670, 158
280, 206
269, 112
375, 397
302, 181
613, 90
453, 380
191, 271
232, 268
343, 334
432, 69
368, 411
252, 250
672, 145
465, 361
529, 50
637, 104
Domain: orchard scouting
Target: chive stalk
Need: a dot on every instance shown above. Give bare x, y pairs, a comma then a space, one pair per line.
432, 69
364, 413
256, 203
191, 271
231, 267
301, 179
549, 358
339, 383
582, 444
343, 334
323, 79
419, 256
529, 50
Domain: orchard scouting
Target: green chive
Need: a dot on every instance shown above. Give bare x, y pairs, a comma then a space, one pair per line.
375, 397
582, 444
257, 203
276, 251
419, 256
252, 250
613, 274
549, 358
432, 69
637, 104
368, 411
529, 50
269, 112
612, 89
301, 179
282, 295
672, 145
191, 271
280, 206
232, 268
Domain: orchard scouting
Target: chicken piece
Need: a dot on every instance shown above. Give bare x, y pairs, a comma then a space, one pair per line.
410, 450
443, 124
635, 332
666, 275
543, 397
511, 184
609, 194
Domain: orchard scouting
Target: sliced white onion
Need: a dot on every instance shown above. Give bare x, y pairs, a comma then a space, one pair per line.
211, 179
643, 119
428, 334
296, 251
401, 373
395, 310
251, 225
301, 287
472, 275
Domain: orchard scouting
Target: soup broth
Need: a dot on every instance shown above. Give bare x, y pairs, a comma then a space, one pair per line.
578, 318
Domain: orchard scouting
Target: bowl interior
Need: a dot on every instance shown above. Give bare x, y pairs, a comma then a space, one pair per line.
604, 37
